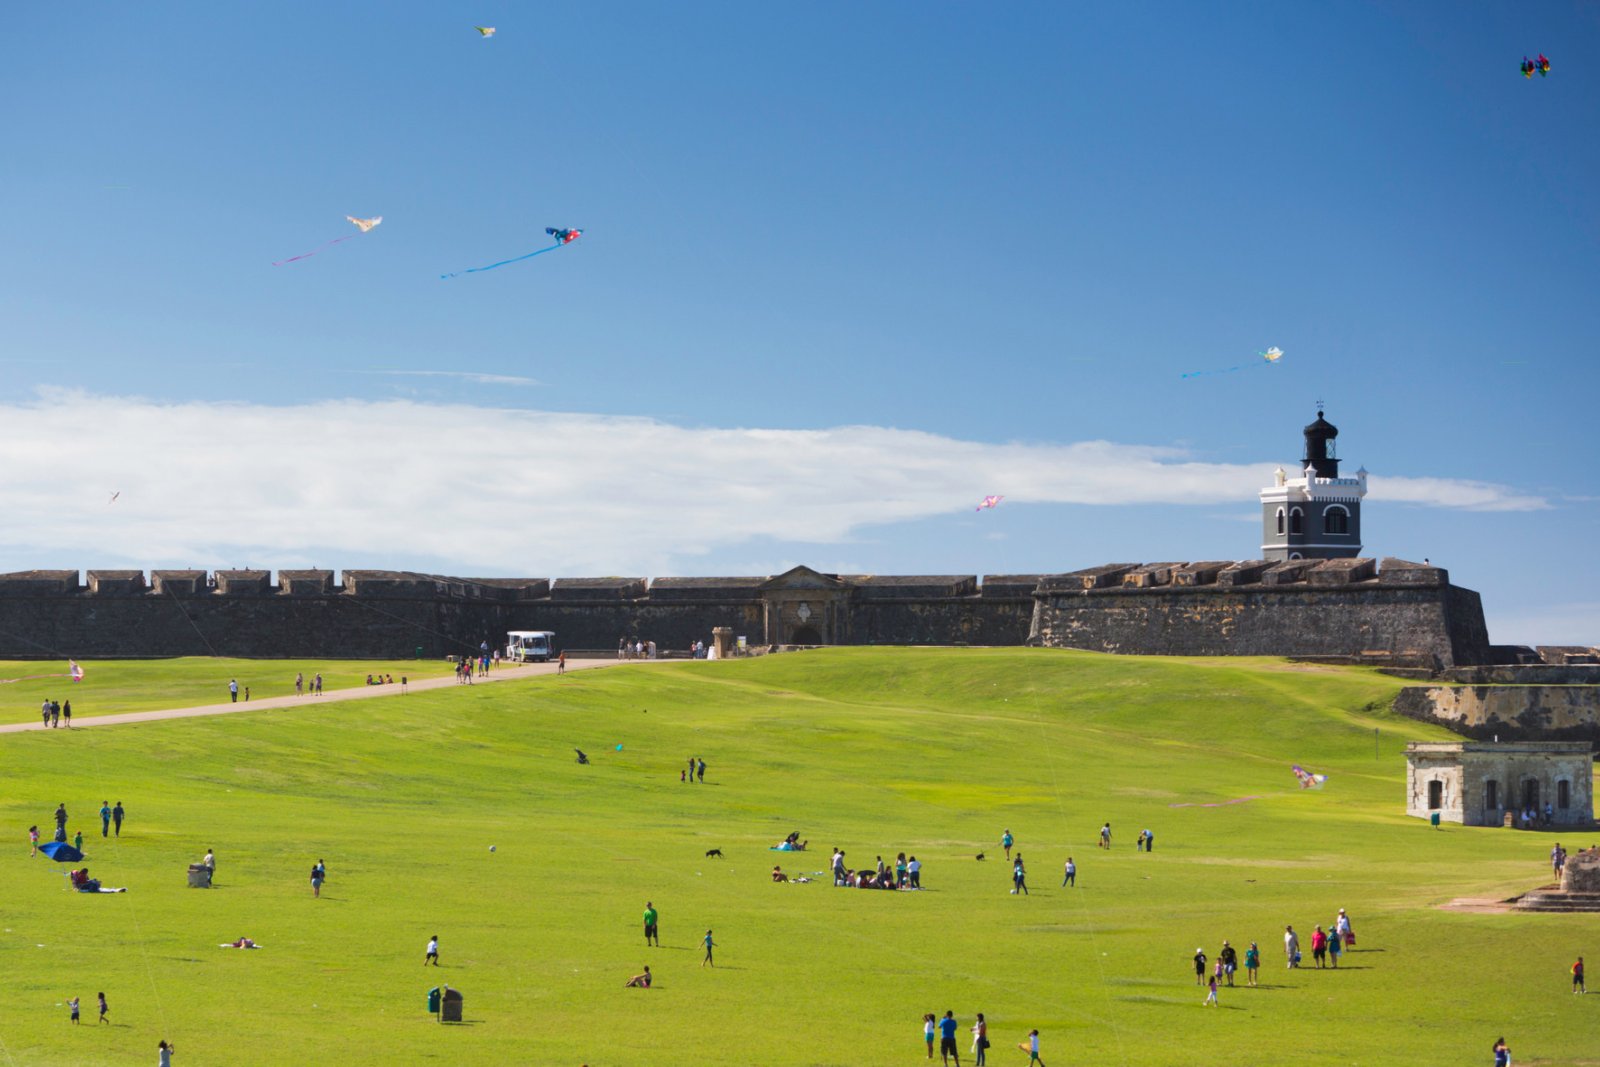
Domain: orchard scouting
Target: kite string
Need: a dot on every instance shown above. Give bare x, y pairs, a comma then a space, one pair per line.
187, 618
502, 263
314, 251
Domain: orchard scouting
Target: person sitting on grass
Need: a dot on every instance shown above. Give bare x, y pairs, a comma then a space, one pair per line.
639, 981
778, 875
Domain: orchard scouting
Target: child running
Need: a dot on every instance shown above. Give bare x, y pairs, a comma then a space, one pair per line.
1031, 1047
1211, 997
105, 1009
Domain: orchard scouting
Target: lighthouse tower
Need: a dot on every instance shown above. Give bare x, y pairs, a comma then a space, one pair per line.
1314, 514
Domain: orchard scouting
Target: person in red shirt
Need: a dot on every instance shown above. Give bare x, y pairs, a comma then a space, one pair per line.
1577, 977
1319, 946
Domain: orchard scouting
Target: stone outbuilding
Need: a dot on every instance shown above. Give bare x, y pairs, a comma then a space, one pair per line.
1478, 783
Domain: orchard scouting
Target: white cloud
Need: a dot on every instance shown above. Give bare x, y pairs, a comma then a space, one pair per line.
474, 377
499, 491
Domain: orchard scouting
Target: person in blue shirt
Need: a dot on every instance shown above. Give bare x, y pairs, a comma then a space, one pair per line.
1007, 840
947, 1039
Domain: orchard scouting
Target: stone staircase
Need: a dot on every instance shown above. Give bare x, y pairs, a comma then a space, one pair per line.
1552, 898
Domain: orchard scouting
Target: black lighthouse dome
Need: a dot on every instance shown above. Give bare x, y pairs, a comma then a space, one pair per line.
1321, 455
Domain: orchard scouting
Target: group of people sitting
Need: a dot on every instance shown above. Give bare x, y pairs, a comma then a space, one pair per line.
83, 883
382, 679
905, 874
792, 843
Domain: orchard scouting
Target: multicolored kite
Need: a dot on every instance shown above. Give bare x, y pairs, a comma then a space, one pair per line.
989, 502
364, 225
487, 31
563, 237
1307, 779
1542, 65
1269, 357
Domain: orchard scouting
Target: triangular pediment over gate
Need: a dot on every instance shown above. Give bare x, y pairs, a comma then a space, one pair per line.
803, 577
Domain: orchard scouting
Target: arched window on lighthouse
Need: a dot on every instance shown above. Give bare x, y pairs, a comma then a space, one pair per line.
1280, 520
1296, 521
1336, 519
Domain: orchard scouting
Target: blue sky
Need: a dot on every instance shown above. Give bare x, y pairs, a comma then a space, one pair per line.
846, 268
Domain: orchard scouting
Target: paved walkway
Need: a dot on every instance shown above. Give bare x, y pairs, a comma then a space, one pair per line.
360, 692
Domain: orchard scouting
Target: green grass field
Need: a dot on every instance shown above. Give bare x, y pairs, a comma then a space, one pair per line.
111, 687
933, 752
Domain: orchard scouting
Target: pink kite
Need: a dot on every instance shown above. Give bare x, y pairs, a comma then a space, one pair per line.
989, 502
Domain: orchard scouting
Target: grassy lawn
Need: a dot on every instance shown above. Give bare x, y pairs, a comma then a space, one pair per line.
111, 687
934, 752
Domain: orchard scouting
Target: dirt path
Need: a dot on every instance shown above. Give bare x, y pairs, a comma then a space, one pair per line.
360, 692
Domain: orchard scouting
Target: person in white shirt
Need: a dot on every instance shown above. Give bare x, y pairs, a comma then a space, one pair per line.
433, 951
914, 869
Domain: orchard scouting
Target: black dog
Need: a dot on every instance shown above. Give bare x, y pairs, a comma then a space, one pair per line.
979, 856
717, 852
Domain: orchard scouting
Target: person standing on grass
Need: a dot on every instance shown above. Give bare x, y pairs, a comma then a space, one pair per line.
709, 944
1502, 1054
317, 681
433, 951
116, 818
1335, 946
299, 683
702, 772
105, 1009
561, 662
233, 689
651, 936
1032, 1049
1577, 977
66, 713
914, 869
319, 874
77, 840
980, 1039
73, 1004
1252, 962
1006, 841
33, 839
1069, 874
61, 818
947, 1039
164, 1053
1105, 836
1199, 966
1319, 947
1343, 923
1229, 959
1211, 997
1019, 876
1291, 946
929, 1025
105, 818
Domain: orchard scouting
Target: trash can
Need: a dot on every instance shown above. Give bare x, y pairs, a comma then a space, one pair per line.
450, 1010
433, 1001
199, 876
1434, 818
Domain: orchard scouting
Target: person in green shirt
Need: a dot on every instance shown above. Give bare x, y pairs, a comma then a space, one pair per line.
650, 935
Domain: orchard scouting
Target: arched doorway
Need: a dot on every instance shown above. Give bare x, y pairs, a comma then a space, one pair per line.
805, 635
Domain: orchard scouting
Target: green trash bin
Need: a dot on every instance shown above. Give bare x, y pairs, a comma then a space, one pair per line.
1434, 818
433, 1001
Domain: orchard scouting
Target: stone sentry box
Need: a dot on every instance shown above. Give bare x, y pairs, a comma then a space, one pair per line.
1476, 783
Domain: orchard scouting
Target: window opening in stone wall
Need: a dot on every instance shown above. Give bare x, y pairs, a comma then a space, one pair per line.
1563, 794
1295, 523
1336, 520
1530, 794
1280, 520
1491, 795
805, 635
1435, 795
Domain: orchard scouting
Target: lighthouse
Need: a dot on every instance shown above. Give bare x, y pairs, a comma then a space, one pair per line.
1313, 513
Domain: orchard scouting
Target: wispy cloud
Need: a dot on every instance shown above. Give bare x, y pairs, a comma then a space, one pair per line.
474, 377
362, 483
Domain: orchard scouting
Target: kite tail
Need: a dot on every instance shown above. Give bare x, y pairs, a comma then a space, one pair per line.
502, 263
314, 251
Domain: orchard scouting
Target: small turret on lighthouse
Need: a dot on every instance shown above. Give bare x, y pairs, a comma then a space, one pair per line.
1314, 514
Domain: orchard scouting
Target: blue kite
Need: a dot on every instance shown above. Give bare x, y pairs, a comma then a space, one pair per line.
563, 238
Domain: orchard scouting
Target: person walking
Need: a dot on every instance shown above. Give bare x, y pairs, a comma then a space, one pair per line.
1211, 997
44, 709
838, 866
319, 874
651, 934
1006, 841
105, 818
1335, 945
1199, 966
947, 1039
1105, 836
1252, 962
702, 772
1343, 923
33, 839
299, 683
1319, 947
561, 662
1229, 959
317, 683
709, 944
1291, 946
210, 863
433, 952
1019, 876
164, 1053
980, 1039
105, 1009
55, 714
1032, 1049
1577, 977
66, 713
116, 819
929, 1024
233, 689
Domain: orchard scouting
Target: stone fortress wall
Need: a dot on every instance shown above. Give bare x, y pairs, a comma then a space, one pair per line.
1397, 613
